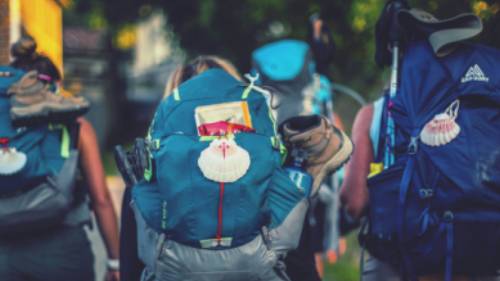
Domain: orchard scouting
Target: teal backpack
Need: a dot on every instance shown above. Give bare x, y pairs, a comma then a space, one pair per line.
37, 169
190, 196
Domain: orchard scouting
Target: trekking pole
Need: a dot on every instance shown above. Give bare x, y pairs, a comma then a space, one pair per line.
391, 134
393, 6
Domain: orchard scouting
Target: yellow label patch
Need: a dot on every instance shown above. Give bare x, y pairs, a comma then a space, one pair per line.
232, 112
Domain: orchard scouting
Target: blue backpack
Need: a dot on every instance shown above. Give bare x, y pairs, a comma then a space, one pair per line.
37, 169
181, 200
288, 67
437, 209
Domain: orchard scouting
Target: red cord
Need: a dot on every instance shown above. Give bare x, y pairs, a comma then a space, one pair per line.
218, 236
4, 143
219, 222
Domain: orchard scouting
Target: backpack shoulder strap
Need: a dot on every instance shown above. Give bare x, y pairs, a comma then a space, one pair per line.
74, 133
69, 136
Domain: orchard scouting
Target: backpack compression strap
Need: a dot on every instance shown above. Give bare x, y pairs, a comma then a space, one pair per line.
69, 136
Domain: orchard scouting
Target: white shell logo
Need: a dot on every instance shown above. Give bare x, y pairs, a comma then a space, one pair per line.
442, 129
224, 161
11, 161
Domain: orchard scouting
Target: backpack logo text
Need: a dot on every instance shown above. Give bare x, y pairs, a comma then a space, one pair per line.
475, 74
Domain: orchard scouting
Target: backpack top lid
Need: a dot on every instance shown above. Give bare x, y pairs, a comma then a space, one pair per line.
428, 85
176, 113
214, 82
282, 60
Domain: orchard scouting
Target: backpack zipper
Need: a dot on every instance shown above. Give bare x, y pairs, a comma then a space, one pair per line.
218, 236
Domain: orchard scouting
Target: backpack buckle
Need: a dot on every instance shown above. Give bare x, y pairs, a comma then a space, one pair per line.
448, 216
413, 146
426, 193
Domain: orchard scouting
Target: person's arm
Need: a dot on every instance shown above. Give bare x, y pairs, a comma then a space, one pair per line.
354, 192
93, 171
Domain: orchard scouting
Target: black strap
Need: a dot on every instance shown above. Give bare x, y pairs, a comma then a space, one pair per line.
74, 133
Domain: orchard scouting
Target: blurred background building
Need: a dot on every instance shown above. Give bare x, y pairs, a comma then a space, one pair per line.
123, 76
86, 70
42, 19
152, 62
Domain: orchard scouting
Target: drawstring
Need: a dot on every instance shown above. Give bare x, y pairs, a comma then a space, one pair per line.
249, 88
452, 110
254, 87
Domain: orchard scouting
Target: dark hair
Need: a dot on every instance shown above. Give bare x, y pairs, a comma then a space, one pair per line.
26, 58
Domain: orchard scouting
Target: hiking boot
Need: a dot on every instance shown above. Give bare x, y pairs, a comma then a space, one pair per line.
32, 103
325, 147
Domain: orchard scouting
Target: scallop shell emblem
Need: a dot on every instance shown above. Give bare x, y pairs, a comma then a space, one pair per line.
11, 161
442, 129
224, 161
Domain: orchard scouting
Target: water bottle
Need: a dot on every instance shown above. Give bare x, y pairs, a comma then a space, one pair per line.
299, 176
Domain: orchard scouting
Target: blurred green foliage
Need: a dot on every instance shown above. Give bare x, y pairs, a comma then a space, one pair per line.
233, 29
347, 267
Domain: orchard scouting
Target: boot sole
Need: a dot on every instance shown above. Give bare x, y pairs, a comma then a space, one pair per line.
44, 115
338, 161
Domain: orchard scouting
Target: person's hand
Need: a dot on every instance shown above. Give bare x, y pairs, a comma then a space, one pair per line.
355, 201
112, 275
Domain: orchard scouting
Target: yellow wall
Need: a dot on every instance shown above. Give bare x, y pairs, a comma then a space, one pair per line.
42, 19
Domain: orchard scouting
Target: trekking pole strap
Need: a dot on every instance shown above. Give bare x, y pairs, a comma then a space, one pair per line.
407, 266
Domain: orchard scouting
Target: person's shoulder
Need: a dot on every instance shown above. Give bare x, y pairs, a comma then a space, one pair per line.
83, 123
86, 128
366, 111
364, 117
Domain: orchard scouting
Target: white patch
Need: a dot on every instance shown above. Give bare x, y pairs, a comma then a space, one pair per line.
224, 161
11, 161
475, 74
